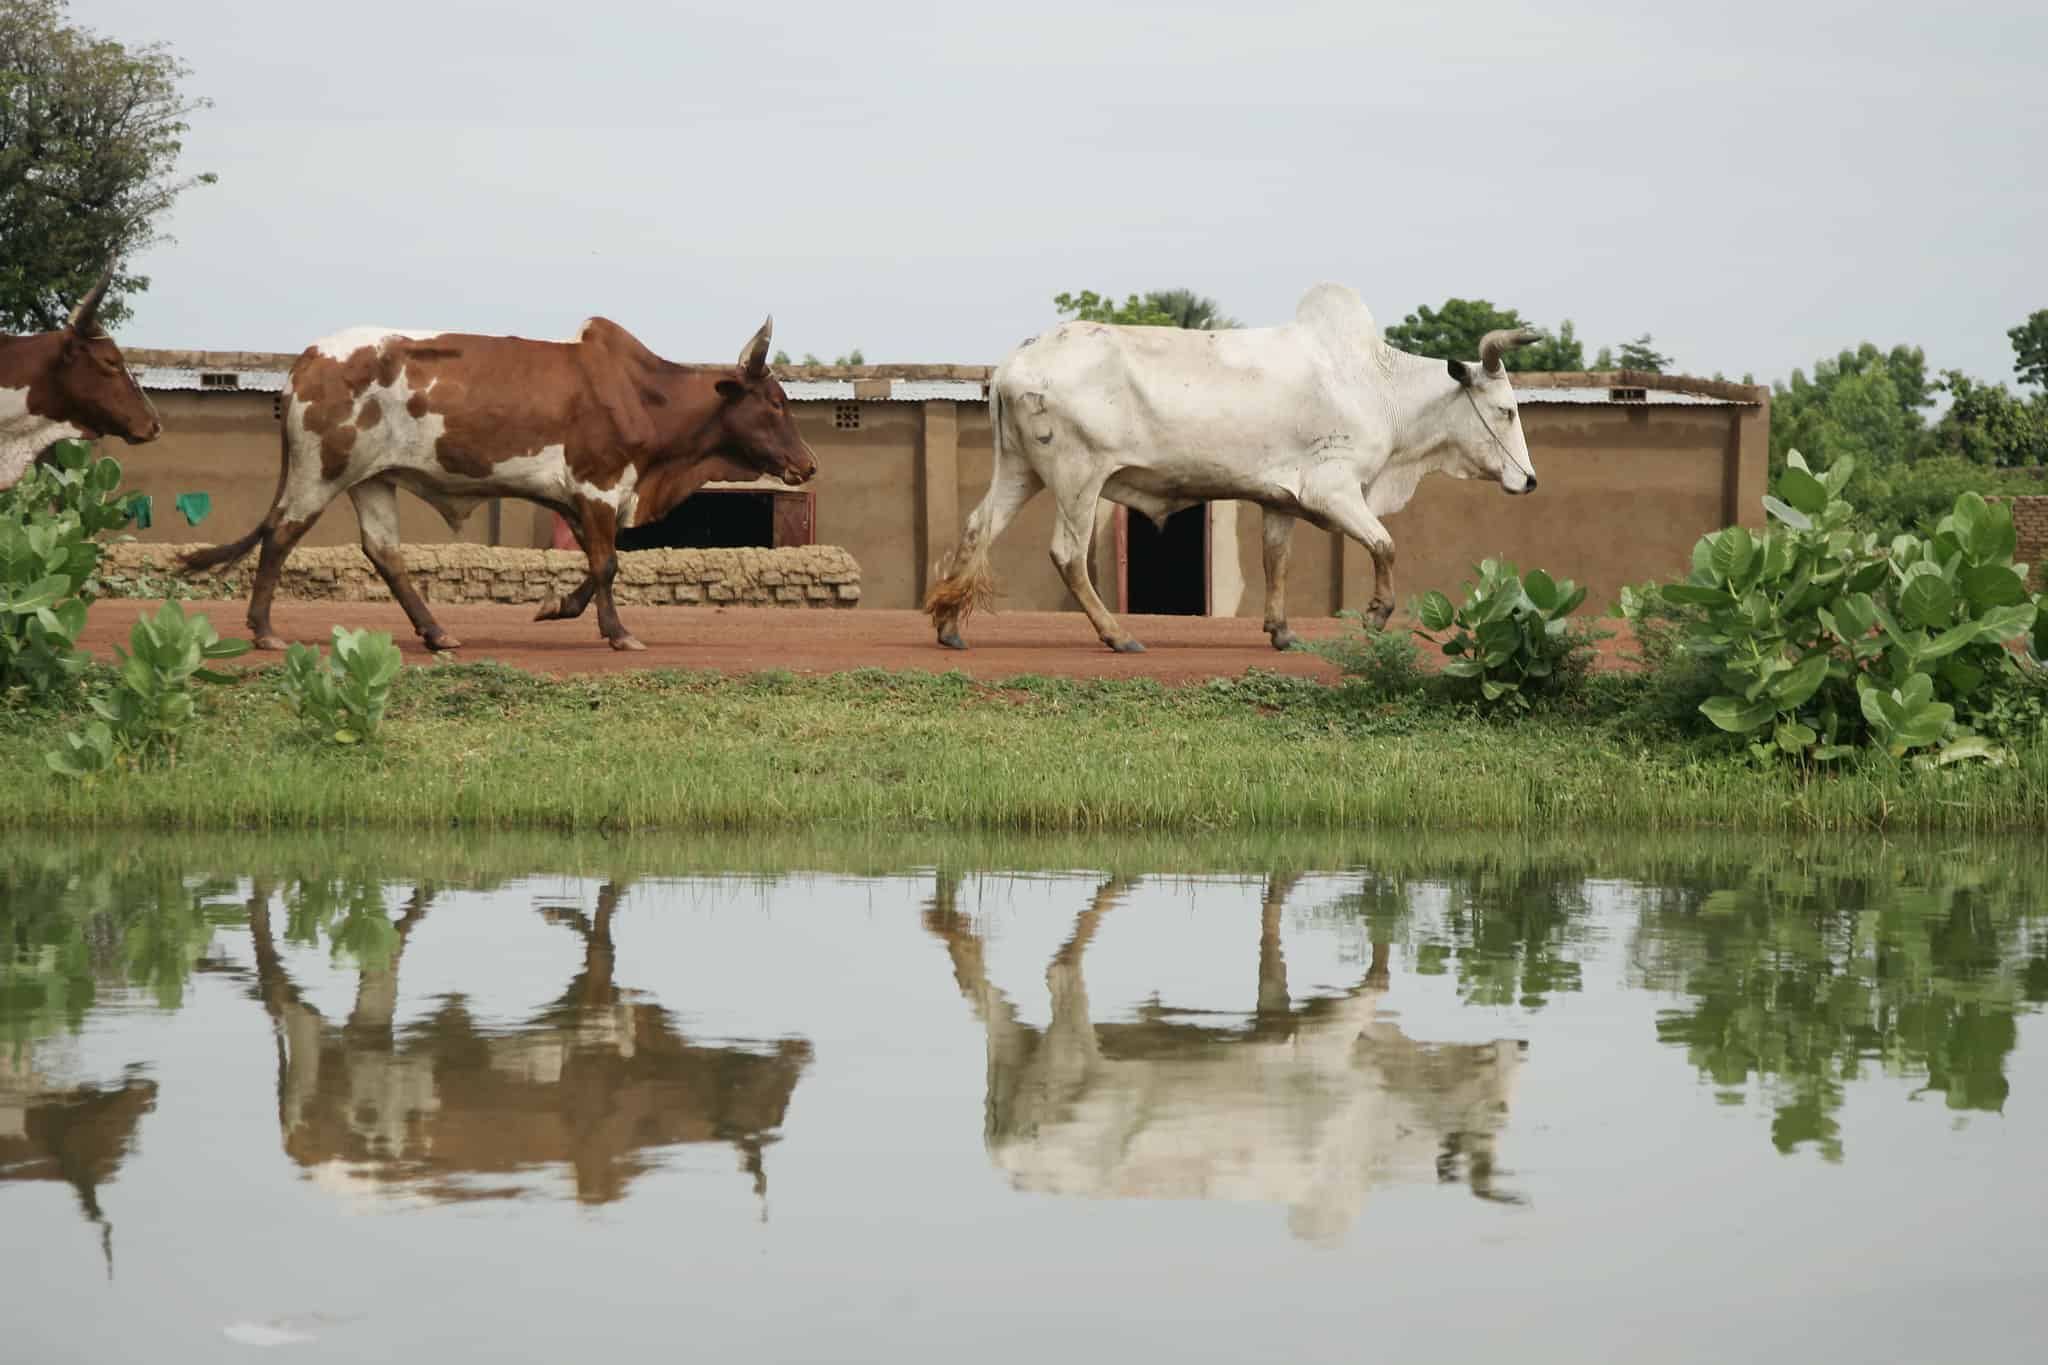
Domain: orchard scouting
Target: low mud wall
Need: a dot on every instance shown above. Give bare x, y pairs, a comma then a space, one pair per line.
809, 576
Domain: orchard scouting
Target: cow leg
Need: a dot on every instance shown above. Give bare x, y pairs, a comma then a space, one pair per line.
280, 537
376, 504
596, 525
1341, 507
1070, 542
1279, 537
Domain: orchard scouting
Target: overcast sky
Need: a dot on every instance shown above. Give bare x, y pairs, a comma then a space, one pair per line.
1755, 184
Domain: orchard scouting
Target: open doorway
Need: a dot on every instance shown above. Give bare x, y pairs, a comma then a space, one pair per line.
709, 519
1166, 569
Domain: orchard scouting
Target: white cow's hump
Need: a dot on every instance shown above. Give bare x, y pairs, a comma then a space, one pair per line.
1337, 312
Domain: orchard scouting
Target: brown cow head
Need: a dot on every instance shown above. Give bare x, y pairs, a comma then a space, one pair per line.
90, 383
755, 425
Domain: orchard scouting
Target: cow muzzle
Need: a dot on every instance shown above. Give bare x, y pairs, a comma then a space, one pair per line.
1528, 486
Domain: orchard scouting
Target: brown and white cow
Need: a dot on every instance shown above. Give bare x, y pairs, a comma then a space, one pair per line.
589, 428
67, 384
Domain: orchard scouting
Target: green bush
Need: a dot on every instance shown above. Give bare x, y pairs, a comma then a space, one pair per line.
1386, 663
1825, 639
50, 524
143, 714
1913, 497
1512, 635
344, 696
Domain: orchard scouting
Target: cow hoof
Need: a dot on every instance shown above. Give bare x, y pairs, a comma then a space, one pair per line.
626, 642
270, 642
440, 642
1126, 646
951, 639
1379, 616
1283, 639
549, 609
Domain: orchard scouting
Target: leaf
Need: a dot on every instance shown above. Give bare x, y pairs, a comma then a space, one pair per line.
1464, 668
1792, 689
1793, 737
1925, 725
1968, 747
1788, 514
2001, 624
1948, 642
1928, 600
1993, 585
1436, 611
1542, 590
1734, 552
1687, 594
1735, 715
1803, 491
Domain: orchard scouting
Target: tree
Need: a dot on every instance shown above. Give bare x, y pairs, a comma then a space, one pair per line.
1453, 333
1089, 306
90, 133
2030, 346
1190, 310
1988, 424
852, 357
1865, 403
1634, 355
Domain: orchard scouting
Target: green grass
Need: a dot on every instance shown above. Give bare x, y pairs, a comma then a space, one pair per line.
482, 747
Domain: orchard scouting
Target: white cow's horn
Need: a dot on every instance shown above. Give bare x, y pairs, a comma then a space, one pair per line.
1494, 345
88, 307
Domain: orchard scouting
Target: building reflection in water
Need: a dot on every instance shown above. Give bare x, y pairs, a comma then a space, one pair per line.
1308, 1104
443, 1110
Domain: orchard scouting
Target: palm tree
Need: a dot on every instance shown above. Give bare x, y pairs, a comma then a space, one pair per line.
1191, 310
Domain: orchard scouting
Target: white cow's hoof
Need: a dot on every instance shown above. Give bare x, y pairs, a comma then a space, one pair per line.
627, 642
1127, 646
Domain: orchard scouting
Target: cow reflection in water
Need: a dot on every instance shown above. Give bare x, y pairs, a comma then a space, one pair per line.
78, 1134
1309, 1106
591, 1082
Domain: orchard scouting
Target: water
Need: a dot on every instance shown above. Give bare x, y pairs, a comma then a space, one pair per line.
373, 1099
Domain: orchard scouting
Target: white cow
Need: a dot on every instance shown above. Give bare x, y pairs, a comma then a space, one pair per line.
1318, 418
1310, 1104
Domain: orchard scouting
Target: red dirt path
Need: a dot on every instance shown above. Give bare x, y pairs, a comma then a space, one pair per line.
1179, 649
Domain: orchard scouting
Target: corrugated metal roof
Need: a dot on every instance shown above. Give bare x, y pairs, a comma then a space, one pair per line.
1604, 397
164, 379
900, 390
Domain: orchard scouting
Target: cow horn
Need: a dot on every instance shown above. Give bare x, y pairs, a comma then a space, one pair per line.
88, 307
754, 355
1494, 345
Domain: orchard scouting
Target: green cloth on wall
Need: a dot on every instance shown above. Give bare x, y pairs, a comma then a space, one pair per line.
143, 507
195, 506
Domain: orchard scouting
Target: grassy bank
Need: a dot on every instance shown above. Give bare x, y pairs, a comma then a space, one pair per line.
488, 748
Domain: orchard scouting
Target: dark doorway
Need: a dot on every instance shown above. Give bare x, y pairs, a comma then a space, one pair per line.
1166, 572
709, 520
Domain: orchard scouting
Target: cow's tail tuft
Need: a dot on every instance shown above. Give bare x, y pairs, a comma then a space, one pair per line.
964, 582
215, 557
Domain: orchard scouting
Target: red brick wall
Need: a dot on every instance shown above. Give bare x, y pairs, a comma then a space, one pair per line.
2030, 521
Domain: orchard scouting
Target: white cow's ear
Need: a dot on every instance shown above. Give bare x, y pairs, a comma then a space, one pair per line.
1461, 372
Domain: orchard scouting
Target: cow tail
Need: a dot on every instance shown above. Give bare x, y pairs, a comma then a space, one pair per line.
963, 581
215, 557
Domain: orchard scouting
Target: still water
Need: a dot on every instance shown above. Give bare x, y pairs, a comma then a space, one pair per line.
372, 1099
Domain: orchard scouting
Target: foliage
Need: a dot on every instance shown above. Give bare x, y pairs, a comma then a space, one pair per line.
2030, 349
90, 133
1134, 311
1386, 664
1190, 310
1512, 634
1634, 355
1826, 639
852, 357
1453, 333
49, 551
1913, 497
143, 714
1987, 424
1863, 406
343, 697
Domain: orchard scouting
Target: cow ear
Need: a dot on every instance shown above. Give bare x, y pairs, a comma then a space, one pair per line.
731, 390
1460, 372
